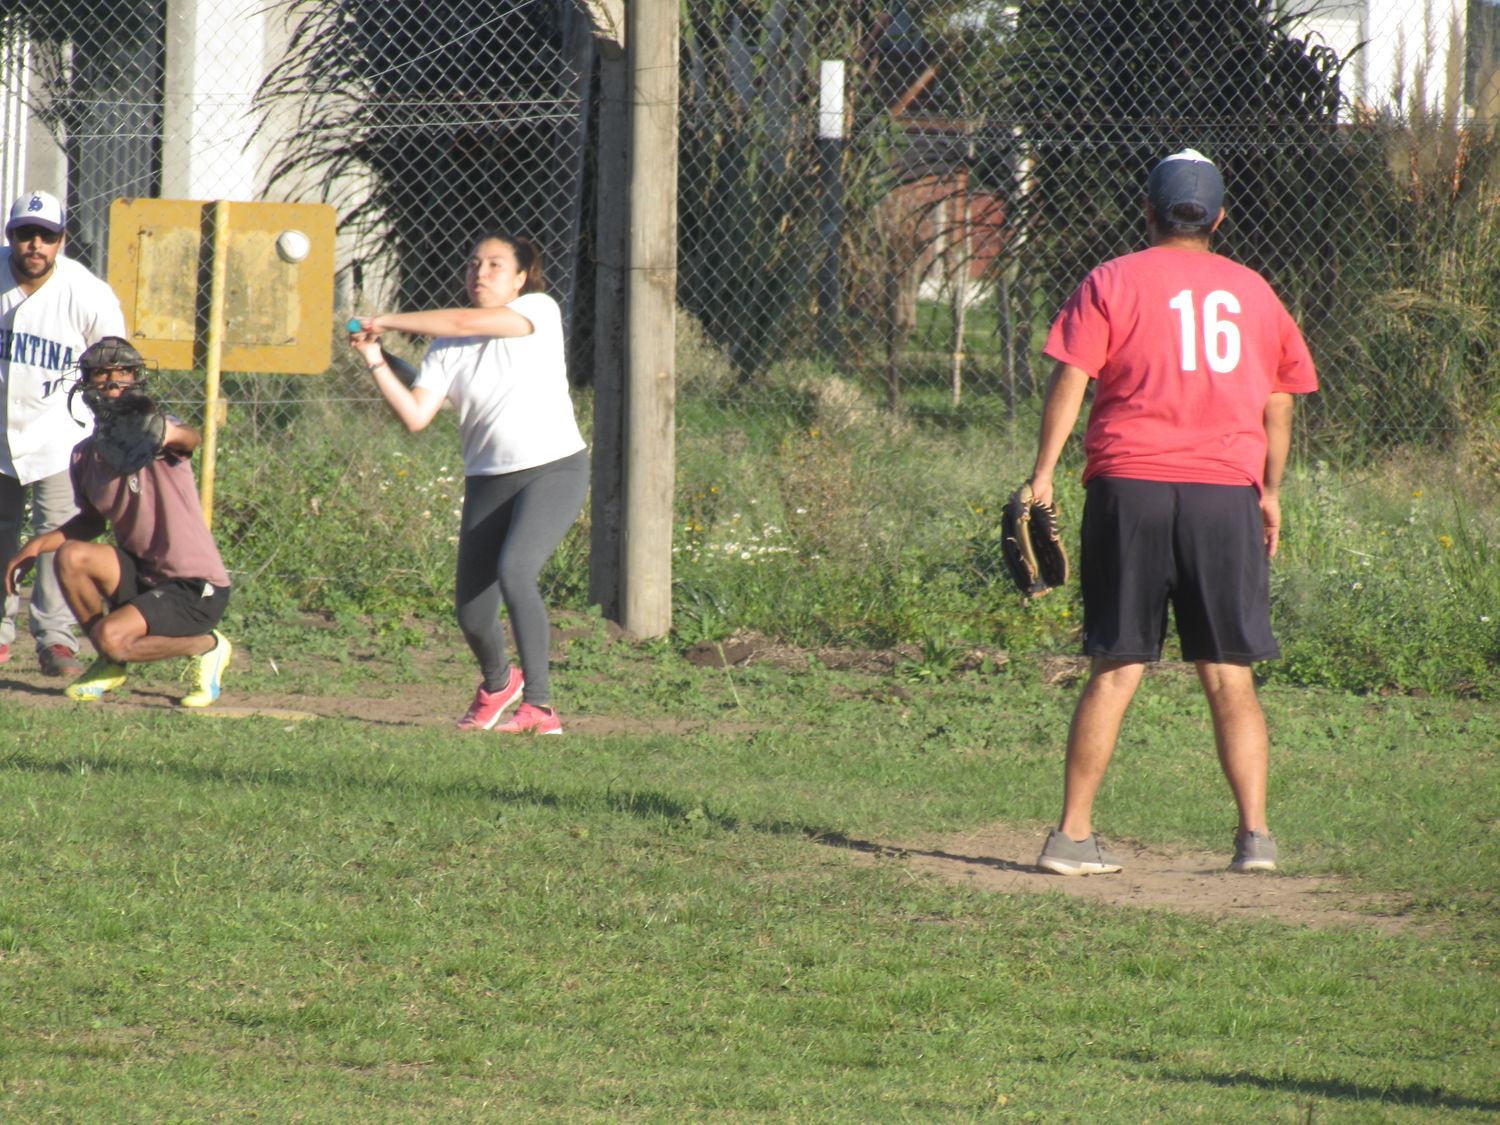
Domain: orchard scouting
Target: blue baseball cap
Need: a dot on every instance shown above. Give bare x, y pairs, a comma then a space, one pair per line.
1186, 189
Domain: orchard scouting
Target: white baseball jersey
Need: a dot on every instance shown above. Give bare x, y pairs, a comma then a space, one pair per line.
41, 338
514, 410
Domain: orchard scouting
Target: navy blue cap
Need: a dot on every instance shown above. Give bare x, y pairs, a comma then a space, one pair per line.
1186, 189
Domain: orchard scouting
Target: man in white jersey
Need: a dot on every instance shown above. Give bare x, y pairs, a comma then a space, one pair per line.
51, 309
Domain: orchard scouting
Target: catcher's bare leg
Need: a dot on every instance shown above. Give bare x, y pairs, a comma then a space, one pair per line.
1240, 734
1092, 736
122, 637
89, 574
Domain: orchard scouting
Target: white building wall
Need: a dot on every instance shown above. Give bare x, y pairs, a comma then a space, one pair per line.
1403, 40
30, 158
215, 60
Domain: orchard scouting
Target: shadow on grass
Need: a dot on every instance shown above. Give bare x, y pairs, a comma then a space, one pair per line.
647, 804
1427, 1096
838, 840
21, 687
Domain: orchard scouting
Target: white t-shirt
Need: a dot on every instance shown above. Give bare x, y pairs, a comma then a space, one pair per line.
514, 411
41, 338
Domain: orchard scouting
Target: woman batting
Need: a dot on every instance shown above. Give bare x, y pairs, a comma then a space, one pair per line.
501, 363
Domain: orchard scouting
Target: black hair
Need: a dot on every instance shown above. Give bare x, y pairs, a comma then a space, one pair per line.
528, 257
1184, 220
1189, 216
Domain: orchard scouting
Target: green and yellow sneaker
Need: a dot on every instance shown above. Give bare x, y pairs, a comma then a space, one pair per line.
208, 673
103, 675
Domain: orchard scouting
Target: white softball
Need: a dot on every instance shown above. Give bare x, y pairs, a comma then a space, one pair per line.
292, 246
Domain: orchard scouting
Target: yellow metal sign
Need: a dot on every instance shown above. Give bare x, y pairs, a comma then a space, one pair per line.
276, 282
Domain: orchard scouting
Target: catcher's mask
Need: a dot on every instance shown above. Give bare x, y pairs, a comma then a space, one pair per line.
110, 353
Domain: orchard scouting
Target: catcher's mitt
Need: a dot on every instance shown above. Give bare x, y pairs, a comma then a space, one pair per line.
130, 431
1031, 544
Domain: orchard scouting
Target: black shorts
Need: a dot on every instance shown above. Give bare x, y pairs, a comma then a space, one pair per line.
178, 607
1200, 547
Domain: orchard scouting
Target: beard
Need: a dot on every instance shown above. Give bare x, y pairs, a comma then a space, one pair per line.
31, 267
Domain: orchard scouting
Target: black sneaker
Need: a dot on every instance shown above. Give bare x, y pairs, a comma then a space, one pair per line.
1064, 855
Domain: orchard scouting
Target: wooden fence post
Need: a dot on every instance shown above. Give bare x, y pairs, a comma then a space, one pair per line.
612, 155
652, 33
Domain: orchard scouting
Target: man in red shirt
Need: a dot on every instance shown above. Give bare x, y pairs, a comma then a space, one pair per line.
1194, 362
159, 591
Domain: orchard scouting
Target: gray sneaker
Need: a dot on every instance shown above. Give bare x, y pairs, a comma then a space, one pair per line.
1064, 855
1254, 851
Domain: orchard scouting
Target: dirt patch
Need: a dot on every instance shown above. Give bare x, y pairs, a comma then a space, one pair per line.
749, 647
1003, 859
438, 705
446, 675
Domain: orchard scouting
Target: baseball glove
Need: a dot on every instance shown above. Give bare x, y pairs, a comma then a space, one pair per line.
130, 431
1031, 544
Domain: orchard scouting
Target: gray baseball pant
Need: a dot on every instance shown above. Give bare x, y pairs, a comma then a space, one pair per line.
51, 506
511, 525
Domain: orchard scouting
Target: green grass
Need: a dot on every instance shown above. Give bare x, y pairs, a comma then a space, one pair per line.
208, 919
818, 516
807, 510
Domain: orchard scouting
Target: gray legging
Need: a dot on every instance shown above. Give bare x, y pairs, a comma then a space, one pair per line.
511, 525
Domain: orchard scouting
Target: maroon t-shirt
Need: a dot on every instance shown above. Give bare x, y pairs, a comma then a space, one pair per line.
155, 514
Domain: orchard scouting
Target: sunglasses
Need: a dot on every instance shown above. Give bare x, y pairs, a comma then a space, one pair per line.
28, 232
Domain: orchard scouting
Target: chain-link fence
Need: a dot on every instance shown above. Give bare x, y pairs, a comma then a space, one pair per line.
424, 124
881, 206
990, 154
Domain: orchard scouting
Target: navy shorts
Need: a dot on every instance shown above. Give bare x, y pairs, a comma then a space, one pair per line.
178, 607
1199, 547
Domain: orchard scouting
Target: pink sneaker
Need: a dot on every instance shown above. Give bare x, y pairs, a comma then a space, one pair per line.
531, 719
488, 706
4, 654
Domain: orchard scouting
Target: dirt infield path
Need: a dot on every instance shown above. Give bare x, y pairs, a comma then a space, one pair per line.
1002, 859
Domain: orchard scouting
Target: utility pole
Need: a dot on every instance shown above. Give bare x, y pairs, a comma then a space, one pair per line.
635, 296
632, 570
651, 301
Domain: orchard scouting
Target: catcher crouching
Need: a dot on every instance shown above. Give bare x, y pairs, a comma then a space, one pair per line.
160, 592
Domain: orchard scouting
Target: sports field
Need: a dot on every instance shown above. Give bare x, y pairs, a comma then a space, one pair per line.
795, 888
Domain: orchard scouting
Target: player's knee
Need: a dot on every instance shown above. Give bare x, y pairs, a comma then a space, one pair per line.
111, 648
77, 564
114, 638
71, 561
1229, 681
